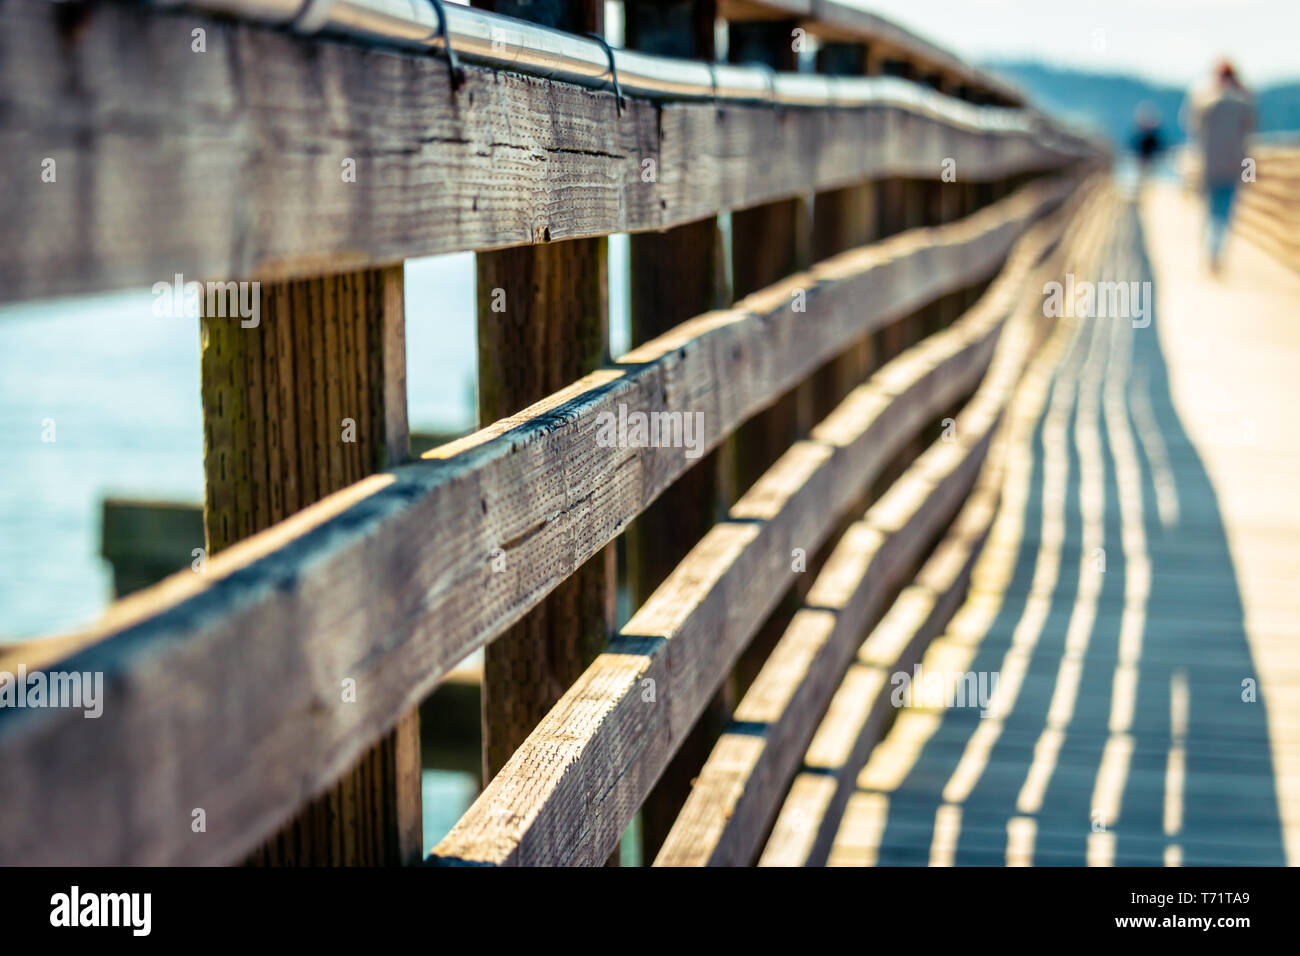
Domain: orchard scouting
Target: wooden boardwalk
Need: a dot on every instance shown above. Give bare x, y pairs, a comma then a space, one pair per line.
849, 439
1136, 599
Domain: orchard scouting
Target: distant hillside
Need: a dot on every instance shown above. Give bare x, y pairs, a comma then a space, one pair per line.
1106, 102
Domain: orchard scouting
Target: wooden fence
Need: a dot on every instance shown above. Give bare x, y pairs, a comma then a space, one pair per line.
1268, 207
848, 346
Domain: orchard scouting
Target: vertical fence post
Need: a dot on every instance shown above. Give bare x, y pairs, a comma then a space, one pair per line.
311, 399
842, 219
949, 206
897, 199
542, 324
675, 274
893, 198
902, 206
768, 243
969, 198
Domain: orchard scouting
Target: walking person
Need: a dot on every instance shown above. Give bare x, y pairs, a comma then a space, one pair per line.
1147, 140
1218, 117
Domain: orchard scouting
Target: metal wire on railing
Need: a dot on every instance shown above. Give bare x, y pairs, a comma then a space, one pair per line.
501, 42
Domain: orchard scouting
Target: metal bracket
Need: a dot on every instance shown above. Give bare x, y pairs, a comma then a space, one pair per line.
769, 73
313, 15
713, 78
619, 100
454, 69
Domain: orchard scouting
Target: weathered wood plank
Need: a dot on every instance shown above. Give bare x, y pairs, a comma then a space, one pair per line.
572, 787
295, 607
234, 163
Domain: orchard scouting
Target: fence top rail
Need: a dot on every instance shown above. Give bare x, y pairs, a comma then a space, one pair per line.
502, 42
839, 22
222, 168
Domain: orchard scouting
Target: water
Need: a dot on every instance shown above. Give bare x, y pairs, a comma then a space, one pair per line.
98, 397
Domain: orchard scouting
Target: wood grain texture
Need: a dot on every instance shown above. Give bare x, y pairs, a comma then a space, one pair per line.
568, 793
278, 398
390, 580
229, 164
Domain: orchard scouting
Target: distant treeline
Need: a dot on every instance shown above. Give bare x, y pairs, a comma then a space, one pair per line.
1106, 102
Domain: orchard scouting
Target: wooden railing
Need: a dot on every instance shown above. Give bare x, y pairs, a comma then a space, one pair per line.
274, 686
1268, 207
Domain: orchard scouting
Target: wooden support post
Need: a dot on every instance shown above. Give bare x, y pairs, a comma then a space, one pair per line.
930, 195
542, 324
946, 203
306, 401
768, 242
949, 207
915, 195
898, 211
842, 219
970, 203
901, 204
145, 541
675, 275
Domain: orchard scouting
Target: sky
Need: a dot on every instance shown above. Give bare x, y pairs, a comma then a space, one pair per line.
1170, 41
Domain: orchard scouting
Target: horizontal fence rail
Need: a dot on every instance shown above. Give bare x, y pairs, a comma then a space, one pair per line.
537, 486
506, 159
1268, 209
571, 788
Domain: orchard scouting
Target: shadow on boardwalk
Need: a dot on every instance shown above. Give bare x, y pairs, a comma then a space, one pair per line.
1137, 748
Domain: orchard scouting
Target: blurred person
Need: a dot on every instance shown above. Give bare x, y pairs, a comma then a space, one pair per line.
1147, 141
1218, 117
